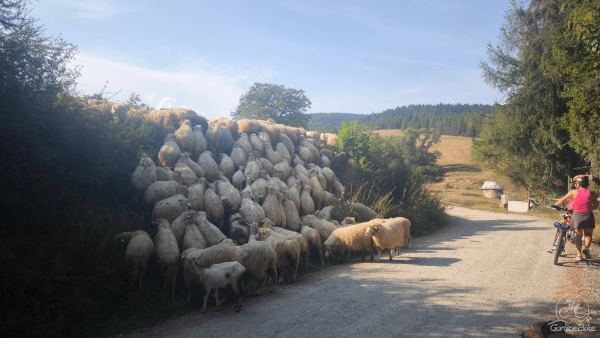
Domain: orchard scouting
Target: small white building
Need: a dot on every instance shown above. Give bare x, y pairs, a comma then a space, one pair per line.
492, 189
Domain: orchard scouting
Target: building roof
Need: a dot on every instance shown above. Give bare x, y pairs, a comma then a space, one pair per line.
491, 185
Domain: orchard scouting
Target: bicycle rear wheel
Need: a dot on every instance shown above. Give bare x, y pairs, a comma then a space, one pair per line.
559, 246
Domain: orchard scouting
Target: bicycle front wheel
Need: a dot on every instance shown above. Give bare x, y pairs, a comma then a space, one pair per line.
559, 246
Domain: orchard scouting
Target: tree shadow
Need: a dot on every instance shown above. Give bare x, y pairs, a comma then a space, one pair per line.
459, 168
358, 305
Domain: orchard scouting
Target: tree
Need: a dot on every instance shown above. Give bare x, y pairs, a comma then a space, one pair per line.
577, 53
283, 105
525, 138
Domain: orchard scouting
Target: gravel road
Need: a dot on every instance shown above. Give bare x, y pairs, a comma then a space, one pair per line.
485, 275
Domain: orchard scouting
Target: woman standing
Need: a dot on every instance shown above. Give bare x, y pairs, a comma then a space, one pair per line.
584, 202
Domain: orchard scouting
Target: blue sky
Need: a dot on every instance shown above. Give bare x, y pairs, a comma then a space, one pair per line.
349, 56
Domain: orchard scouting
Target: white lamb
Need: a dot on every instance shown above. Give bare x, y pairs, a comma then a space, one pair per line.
219, 276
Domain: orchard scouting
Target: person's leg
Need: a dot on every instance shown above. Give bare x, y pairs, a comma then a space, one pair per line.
587, 241
579, 233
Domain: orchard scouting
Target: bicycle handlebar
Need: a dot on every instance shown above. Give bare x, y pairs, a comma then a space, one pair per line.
559, 208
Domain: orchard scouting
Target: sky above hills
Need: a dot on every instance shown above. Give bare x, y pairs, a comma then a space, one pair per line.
349, 56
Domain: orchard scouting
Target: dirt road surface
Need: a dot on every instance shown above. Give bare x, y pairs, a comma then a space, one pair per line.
485, 275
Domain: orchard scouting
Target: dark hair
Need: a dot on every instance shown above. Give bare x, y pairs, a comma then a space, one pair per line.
585, 182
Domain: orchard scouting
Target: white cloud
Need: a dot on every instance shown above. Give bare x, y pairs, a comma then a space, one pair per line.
208, 89
166, 102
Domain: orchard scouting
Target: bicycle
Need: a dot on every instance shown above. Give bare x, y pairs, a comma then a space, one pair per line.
564, 232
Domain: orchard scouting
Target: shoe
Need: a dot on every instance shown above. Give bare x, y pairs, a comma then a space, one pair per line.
587, 254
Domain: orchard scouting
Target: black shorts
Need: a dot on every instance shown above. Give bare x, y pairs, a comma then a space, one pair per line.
583, 220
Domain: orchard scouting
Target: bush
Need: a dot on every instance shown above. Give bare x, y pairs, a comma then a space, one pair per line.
390, 174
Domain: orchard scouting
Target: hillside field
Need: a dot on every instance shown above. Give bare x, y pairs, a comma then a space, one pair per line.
463, 178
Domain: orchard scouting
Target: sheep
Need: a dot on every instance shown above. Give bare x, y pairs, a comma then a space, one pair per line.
344, 241
387, 234
244, 143
192, 237
288, 143
251, 211
196, 168
196, 194
230, 124
200, 144
169, 152
206, 161
363, 212
229, 194
283, 152
288, 253
219, 138
297, 160
238, 156
292, 218
317, 192
188, 176
224, 251
164, 174
278, 184
185, 136
266, 165
259, 188
144, 174
304, 248
294, 194
170, 207
227, 166
348, 221
137, 255
210, 232
307, 205
238, 179
325, 161
304, 154
160, 190
323, 227
179, 225
238, 230
314, 242
259, 258
325, 213
252, 169
167, 254
214, 206
219, 276
339, 163
273, 207
257, 144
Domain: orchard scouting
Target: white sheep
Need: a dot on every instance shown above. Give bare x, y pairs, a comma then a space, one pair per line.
344, 241
219, 276
314, 242
167, 254
170, 207
387, 234
225, 251
288, 253
138, 253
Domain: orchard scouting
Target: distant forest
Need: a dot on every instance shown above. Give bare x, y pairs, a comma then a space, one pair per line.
449, 119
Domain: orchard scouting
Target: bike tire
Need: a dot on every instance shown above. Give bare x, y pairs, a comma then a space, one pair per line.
559, 247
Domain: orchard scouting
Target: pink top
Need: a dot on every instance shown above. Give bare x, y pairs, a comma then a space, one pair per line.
583, 200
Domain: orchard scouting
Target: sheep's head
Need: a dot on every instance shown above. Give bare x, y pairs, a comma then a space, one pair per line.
124, 236
262, 233
373, 229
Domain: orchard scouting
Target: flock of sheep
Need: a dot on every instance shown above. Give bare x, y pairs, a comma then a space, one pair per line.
257, 204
